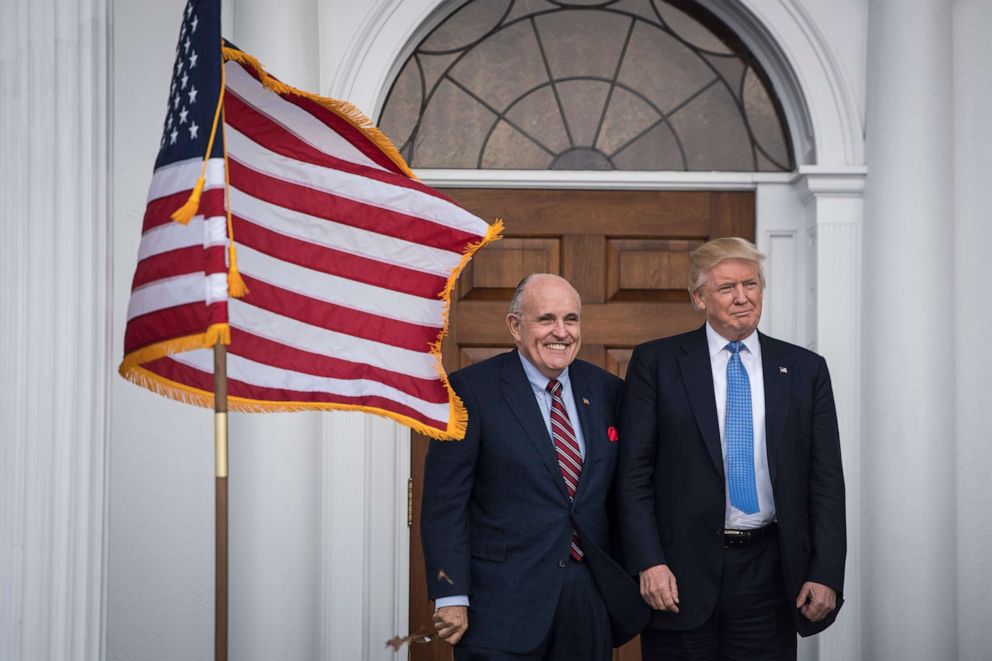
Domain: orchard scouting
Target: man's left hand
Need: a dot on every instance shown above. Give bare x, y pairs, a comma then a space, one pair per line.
451, 622
816, 600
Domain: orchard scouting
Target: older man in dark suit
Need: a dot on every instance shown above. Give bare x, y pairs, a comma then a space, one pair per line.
730, 481
514, 518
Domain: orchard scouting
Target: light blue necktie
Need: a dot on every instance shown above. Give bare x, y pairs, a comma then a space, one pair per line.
739, 434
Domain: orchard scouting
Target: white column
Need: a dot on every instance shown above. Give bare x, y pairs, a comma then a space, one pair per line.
275, 467
366, 539
972, 24
909, 517
54, 270
834, 204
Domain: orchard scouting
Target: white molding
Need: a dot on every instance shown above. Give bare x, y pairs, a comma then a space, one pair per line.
54, 389
345, 74
401, 539
835, 216
386, 35
343, 574
613, 180
365, 539
806, 74
845, 109
817, 97
837, 181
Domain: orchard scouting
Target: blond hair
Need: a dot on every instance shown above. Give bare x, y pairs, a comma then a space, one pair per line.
703, 259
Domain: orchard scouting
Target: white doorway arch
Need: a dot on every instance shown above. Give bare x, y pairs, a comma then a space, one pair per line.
809, 224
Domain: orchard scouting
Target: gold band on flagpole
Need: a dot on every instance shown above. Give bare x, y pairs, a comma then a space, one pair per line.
220, 442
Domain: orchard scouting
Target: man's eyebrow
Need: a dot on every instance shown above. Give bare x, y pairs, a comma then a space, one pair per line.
546, 315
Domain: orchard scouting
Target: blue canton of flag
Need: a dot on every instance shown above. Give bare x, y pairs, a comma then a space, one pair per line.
195, 88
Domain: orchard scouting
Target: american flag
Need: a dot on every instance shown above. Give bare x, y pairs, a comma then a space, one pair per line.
348, 260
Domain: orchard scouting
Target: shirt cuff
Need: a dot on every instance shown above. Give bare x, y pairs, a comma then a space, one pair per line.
454, 600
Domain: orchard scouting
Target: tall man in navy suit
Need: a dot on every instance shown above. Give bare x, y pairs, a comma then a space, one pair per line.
730, 485
514, 519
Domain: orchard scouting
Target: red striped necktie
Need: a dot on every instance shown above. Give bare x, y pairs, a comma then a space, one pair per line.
567, 449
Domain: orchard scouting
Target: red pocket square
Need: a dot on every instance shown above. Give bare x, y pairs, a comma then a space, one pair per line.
612, 434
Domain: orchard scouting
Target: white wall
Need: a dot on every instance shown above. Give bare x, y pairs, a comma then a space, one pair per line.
972, 143
160, 552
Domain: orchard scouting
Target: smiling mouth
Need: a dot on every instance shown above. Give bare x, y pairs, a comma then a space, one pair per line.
557, 346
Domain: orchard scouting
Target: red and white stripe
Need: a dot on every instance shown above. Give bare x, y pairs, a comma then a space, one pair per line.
345, 258
180, 283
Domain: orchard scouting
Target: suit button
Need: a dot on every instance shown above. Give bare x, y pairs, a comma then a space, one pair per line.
562, 563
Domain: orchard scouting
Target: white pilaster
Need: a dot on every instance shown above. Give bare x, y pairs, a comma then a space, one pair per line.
834, 204
54, 265
973, 271
365, 575
909, 522
275, 467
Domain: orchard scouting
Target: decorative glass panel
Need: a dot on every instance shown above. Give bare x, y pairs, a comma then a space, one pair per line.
586, 85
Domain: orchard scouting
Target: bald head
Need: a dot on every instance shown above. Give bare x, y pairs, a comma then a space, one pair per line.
517, 301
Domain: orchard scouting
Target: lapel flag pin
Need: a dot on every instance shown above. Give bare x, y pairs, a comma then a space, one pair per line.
783, 369
585, 401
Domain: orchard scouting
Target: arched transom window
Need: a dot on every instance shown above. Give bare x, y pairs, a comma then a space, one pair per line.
585, 85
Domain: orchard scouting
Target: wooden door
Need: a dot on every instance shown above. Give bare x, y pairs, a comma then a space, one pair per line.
627, 253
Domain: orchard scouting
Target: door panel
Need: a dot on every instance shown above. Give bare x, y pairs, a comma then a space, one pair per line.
626, 252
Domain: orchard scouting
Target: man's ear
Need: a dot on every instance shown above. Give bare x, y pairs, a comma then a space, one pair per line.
697, 299
513, 323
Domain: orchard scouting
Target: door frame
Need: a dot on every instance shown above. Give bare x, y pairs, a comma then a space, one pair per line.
779, 237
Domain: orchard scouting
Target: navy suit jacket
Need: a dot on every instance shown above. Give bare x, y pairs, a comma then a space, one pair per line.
496, 521
670, 481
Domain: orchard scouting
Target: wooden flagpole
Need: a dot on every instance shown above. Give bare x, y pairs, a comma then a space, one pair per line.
220, 502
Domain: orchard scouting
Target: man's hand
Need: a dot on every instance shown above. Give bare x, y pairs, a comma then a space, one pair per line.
816, 600
451, 622
659, 589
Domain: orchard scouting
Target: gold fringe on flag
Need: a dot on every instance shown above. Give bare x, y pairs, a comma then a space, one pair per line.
458, 417
205, 340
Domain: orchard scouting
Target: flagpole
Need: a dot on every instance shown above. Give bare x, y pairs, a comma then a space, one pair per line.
220, 502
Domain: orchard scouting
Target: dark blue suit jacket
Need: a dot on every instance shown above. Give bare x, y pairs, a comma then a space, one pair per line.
670, 481
496, 521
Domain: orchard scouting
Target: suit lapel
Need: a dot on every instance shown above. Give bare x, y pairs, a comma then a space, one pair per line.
520, 398
589, 420
778, 383
697, 374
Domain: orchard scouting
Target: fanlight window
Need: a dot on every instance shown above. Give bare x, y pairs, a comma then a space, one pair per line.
593, 85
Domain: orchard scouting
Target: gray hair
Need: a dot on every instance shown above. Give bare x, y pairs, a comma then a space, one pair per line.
704, 258
517, 300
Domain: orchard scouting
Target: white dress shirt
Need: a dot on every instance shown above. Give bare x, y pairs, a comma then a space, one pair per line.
751, 359
539, 384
